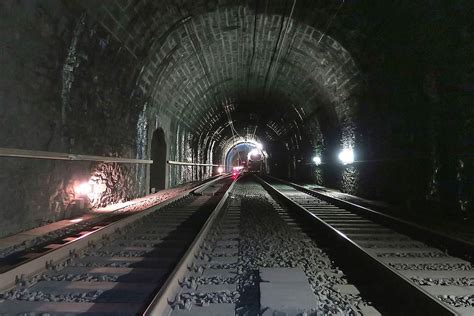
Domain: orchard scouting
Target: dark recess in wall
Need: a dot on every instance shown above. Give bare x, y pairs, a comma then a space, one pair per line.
158, 155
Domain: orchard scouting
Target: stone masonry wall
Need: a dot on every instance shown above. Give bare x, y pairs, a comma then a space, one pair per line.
66, 85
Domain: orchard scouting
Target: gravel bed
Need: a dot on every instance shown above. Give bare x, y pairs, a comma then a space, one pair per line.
141, 238
152, 231
21, 291
187, 300
140, 244
191, 282
80, 277
45, 238
220, 266
458, 301
381, 238
124, 253
207, 257
412, 255
121, 264
152, 199
432, 266
395, 246
444, 281
267, 241
38, 296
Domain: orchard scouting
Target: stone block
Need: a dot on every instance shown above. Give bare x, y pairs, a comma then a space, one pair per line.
286, 291
287, 299
283, 275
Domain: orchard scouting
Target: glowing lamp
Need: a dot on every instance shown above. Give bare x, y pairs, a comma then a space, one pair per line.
346, 156
259, 146
83, 189
254, 152
220, 170
76, 220
317, 160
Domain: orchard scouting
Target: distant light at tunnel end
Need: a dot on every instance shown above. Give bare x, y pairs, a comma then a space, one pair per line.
346, 156
317, 160
254, 153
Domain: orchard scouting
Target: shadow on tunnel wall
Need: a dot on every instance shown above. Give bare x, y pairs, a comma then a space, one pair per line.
407, 183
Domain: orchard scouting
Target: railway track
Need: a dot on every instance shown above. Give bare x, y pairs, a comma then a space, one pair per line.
256, 260
250, 247
118, 268
404, 268
186, 260
33, 254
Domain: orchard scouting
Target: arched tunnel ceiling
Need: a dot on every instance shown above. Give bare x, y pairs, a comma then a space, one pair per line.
259, 61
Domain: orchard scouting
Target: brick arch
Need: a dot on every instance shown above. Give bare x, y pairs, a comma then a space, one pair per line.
211, 59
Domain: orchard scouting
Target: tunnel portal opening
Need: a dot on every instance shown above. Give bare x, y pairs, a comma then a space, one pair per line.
240, 155
158, 155
237, 155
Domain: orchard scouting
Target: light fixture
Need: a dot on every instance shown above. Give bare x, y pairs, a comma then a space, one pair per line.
346, 156
83, 189
317, 160
76, 220
92, 190
254, 152
220, 170
259, 146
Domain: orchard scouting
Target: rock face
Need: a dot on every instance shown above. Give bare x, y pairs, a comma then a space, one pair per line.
67, 85
114, 182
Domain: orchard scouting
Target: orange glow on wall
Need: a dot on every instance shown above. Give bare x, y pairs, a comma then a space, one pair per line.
92, 190
83, 189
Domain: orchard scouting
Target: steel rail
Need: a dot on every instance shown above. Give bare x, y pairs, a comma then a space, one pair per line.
8, 279
454, 246
38, 154
160, 304
364, 266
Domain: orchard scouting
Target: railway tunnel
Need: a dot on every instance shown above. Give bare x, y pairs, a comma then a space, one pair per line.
103, 102
388, 81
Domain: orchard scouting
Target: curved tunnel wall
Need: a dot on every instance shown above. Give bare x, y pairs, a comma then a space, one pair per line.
100, 77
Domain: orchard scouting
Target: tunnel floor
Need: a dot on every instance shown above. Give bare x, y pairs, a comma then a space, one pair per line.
249, 245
